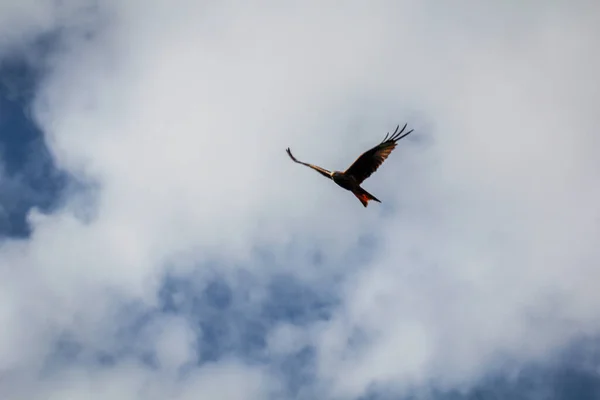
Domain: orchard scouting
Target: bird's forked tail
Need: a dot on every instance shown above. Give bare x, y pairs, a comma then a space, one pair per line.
364, 196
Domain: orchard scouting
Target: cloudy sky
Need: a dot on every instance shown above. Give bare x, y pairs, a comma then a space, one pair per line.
158, 243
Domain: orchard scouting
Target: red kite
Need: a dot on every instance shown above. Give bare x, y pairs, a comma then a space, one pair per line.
362, 168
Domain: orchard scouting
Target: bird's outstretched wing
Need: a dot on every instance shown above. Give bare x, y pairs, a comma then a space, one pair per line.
370, 160
320, 170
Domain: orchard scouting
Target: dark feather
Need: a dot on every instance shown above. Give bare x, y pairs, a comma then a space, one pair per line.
322, 171
370, 160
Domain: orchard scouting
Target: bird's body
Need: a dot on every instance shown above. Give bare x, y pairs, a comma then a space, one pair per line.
362, 168
346, 181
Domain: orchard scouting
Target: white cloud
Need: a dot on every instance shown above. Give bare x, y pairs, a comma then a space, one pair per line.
174, 340
229, 380
181, 115
287, 339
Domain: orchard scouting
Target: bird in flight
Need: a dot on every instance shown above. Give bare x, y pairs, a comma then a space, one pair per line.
362, 168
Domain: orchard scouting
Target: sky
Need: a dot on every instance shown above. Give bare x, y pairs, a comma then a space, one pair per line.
156, 242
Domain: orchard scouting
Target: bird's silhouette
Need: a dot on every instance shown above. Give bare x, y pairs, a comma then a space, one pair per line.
362, 168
